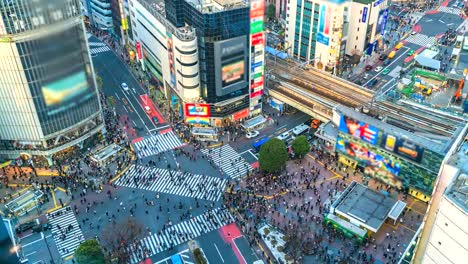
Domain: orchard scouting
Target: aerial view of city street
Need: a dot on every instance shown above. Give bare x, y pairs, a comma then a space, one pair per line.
233, 131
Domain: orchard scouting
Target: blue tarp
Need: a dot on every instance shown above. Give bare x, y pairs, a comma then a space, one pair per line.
280, 54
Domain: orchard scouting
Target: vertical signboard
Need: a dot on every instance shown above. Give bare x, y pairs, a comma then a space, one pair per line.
138, 48
257, 56
170, 54
364, 14
323, 35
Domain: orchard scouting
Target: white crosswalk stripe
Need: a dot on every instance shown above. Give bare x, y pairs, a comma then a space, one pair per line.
180, 233
173, 182
450, 10
65, 230
96, 44
421, 40
228, 160
156, 144
98, 50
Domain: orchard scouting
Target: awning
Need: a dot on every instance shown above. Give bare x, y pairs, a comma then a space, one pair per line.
397, 209
255, 121
428, 62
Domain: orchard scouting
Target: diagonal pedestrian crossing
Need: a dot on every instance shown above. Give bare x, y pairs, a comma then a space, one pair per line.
65, 230
228, 160
155, 144
180, 233
173, 182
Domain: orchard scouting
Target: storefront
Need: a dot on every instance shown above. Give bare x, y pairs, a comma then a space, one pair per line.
277, 104
205, 134
241, 115
254, 123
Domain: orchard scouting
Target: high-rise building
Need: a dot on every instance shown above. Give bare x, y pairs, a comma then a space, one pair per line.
324, 31
100, 14
48, 95
204, 54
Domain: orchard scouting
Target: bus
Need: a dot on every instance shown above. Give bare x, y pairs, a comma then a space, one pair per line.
299, 130
257, 145
465, 44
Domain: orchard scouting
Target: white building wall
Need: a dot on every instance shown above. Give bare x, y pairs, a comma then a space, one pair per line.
447, 242
18, 120
187, 77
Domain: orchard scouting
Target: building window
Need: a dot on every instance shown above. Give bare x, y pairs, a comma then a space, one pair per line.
357, 38
358, 29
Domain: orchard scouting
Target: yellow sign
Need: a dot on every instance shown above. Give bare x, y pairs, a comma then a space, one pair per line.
5, 164
124, 23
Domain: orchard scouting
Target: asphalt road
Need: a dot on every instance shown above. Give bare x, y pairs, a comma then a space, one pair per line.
113, 73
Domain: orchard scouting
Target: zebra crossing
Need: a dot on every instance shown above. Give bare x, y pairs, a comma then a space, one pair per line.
228, 160
156, 144
65, 230
422, 40
180, 233
450, 10
98, 50
173, 182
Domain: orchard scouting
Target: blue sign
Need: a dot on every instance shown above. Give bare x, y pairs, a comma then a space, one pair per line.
364, 14
257, 64
321, 38
384, 22
378, 2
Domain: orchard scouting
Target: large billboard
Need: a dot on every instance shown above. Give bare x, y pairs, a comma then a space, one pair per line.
381, 22
197, 110
380, 166
323, 34
231, 58
359, 129
402, 147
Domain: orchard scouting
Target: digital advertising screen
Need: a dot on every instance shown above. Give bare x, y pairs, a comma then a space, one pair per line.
231, 64
359, 129
382, 22
65, 90
379, 166
200, 110
402, 147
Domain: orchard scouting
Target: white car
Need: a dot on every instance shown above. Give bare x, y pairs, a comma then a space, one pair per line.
124, 86
378, 68
252, 134
366, 76
283, 136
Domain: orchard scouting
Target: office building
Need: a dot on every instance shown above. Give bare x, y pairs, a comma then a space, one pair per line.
48, 96
100, 14
444, 231
322, 32
202, 54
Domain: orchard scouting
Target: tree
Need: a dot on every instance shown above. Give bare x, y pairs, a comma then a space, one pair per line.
271, 11
300, 146
99, 82
273, 155
90, 252
111, 101
119, 239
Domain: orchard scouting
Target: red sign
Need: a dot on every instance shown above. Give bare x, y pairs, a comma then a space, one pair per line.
138, 47
241, 114
257, 93
257, 39
257, 9
197, 110
255, 85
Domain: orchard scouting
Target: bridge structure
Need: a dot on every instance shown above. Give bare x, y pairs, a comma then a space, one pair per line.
312, 91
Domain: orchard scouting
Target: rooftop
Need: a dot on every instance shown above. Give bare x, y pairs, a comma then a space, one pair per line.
213, 6
431, 128
364, 205
457, 191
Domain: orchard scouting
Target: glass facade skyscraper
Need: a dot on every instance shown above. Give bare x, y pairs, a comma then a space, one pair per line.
223, 31
48, 96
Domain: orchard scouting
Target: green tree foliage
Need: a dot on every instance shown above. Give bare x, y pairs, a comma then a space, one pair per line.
271, 10
300, 146
273, 155
199, 258
99, 82
90, 252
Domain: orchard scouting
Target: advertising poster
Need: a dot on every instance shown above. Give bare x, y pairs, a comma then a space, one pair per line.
170, 54
364, 14
257, 9
378, 166
402, 147
359, 129
198, 120
257, 39
232, 72
138, 48
382, 22
195, 110
231, 58
324, 25
59, 95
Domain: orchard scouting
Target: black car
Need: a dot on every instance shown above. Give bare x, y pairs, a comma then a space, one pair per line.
372, 83
155, 120
382, 57
24, 227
